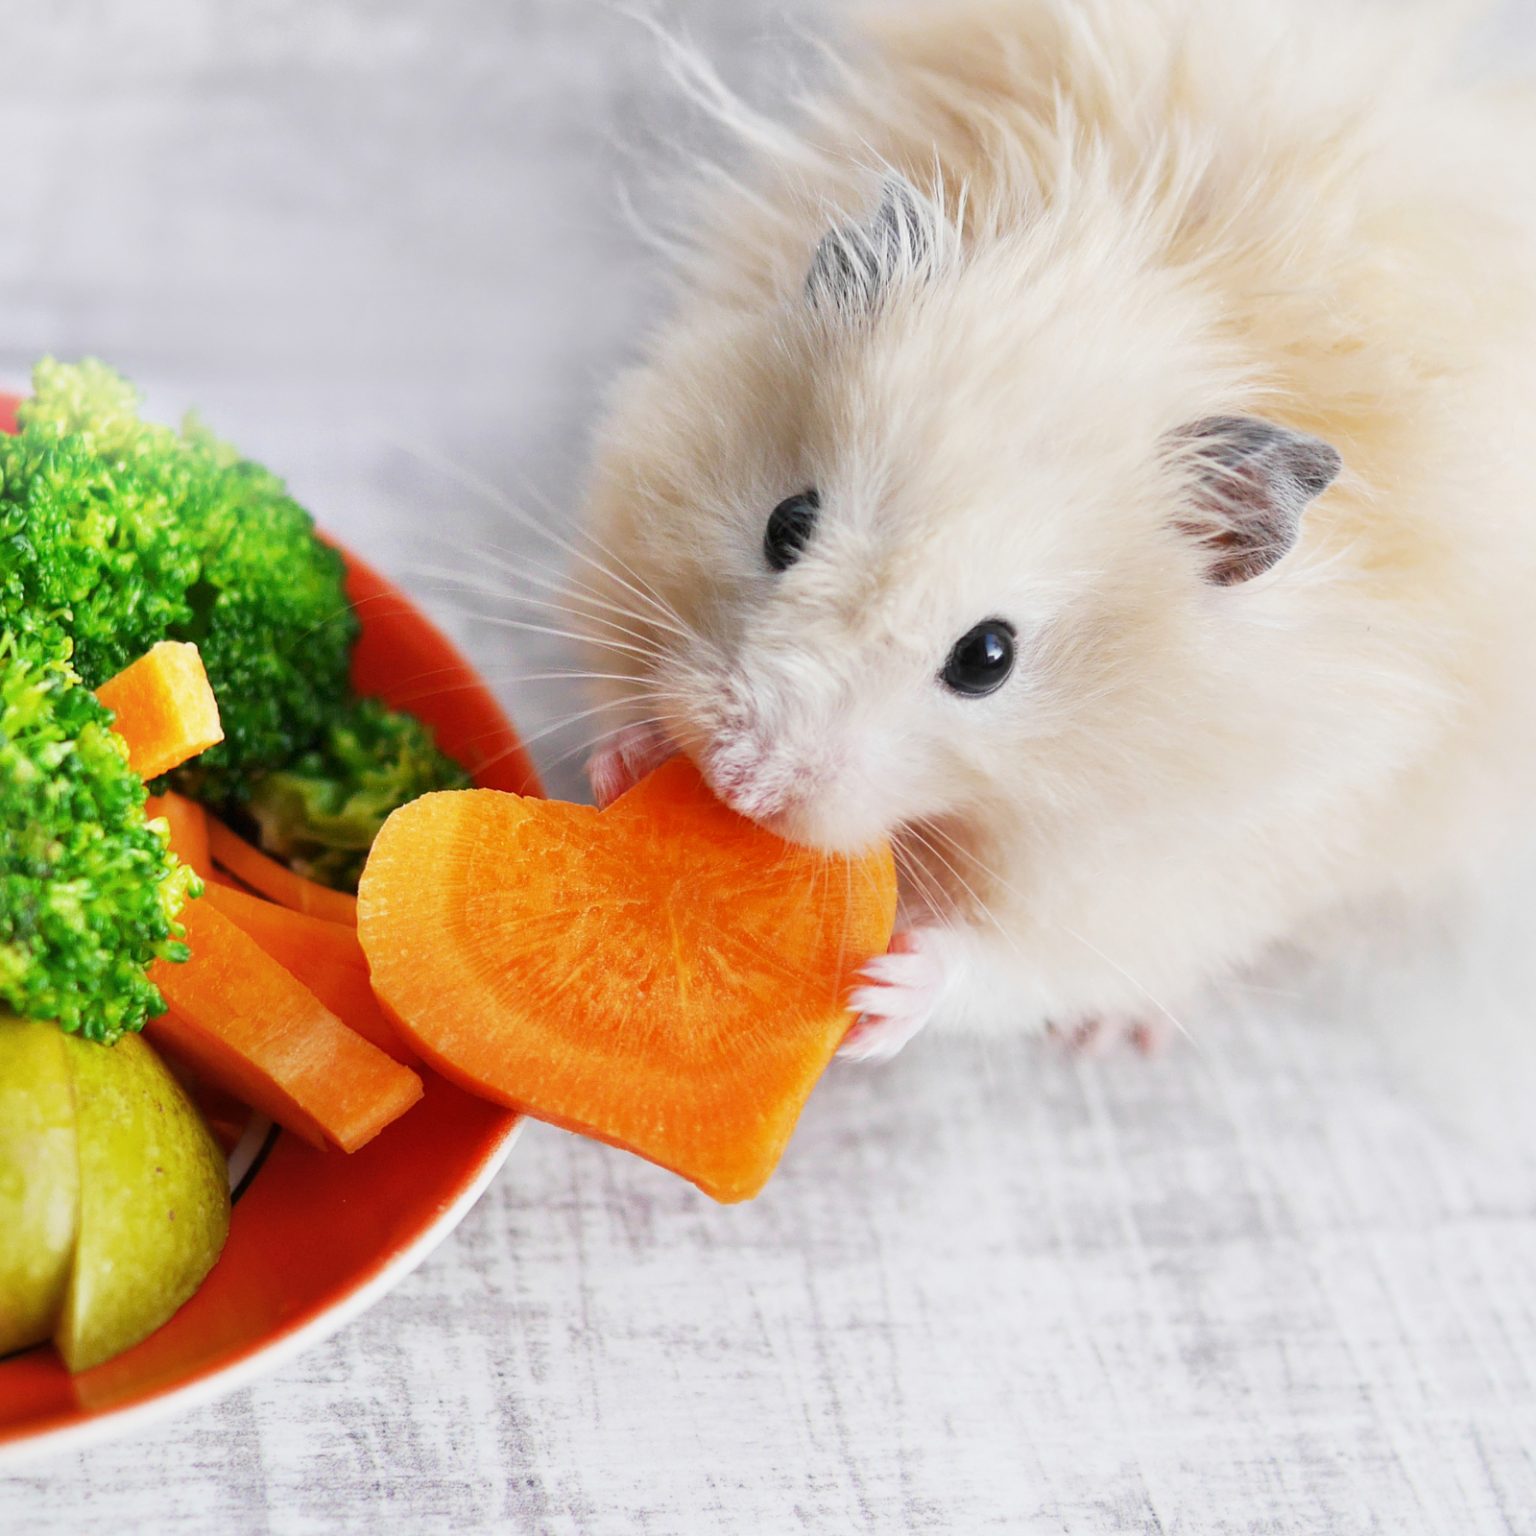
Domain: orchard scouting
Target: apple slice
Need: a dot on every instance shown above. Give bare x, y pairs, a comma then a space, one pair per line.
154, 1200
39, 1180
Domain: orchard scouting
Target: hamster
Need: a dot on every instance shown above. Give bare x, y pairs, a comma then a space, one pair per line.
1092, 447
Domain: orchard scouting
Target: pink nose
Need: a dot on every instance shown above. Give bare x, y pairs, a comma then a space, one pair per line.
753, 785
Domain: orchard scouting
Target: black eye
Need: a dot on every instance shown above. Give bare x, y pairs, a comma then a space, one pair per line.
981, 660
790, 525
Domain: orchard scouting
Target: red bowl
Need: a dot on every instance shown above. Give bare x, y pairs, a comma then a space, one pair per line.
316, 1236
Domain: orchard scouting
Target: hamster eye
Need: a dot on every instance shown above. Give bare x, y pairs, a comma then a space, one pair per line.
981, 659
790, 525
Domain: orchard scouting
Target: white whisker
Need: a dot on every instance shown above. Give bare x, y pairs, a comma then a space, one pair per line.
502, 622
489, 493
534, 602
560, 584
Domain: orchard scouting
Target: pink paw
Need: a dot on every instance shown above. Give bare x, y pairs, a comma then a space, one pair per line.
630, 754
901, 991
1097, 1036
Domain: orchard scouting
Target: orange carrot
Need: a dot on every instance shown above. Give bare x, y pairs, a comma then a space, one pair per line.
212, 1059
664, 975
260, 1033
326, 957
189, 828
164, 708
217, 876
282, 932
275, 881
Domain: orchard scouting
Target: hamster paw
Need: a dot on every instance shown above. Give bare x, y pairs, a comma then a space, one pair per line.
629, 755
900, 995
1097, 1036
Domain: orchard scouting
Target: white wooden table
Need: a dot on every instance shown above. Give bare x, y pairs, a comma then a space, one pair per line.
1269, 1284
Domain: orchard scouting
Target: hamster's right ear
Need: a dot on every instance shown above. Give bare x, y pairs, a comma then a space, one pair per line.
1251, 482
856, 263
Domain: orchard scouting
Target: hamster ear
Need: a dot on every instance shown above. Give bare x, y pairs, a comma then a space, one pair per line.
1253, 480
855, 263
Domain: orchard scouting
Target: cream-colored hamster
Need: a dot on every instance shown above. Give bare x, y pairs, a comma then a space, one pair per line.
1096, 447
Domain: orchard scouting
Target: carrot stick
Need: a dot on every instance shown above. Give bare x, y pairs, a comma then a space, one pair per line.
284, 933
189, 828
222, 877
164, 708
213, 1059
326, 957
275, 881
260, 1033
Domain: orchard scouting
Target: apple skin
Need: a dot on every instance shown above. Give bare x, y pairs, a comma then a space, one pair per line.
154, 1200
39, 1180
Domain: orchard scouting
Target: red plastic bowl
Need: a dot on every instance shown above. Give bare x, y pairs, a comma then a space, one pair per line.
316, 1236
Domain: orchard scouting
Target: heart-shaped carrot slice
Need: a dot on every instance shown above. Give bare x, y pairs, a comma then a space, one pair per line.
664, 975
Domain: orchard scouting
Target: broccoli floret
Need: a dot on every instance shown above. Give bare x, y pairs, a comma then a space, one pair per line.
122, 532
322, 813
89, 890
94, 547
116, 533
275, 629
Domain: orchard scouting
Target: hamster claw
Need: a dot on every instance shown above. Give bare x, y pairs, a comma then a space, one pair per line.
1151, 1036
900, 995
630, 754
1097, 1036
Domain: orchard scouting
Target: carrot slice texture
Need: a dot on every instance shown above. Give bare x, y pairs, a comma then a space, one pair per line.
260, 1033
665, 975
164, 707
275, 881
325, 956
189, 828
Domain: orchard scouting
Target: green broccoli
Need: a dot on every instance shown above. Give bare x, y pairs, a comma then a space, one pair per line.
116, 533
120, 532
322, 813
89, 890
94, 548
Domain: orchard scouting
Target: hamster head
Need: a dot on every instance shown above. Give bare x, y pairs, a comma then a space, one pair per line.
928, 530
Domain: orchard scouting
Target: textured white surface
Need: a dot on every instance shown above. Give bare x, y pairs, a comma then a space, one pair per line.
1262, 1285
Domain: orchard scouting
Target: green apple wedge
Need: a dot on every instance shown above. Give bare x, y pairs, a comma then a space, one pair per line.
154, 1201
39, 1180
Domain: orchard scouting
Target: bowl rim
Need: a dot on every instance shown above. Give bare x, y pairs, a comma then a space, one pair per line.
86, 1428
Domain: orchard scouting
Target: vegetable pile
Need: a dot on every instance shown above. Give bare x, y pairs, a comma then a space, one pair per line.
168, 613
191, 793
120, 538
271, 1003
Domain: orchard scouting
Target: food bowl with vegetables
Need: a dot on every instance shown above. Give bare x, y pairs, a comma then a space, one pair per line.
119, 1162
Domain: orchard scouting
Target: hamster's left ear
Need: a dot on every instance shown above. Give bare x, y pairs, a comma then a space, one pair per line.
1253, 480
855, 263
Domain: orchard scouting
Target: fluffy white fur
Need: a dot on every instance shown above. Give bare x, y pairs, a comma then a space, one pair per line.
1129, 215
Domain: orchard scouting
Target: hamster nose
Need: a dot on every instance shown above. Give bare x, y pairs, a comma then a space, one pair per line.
753, 782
